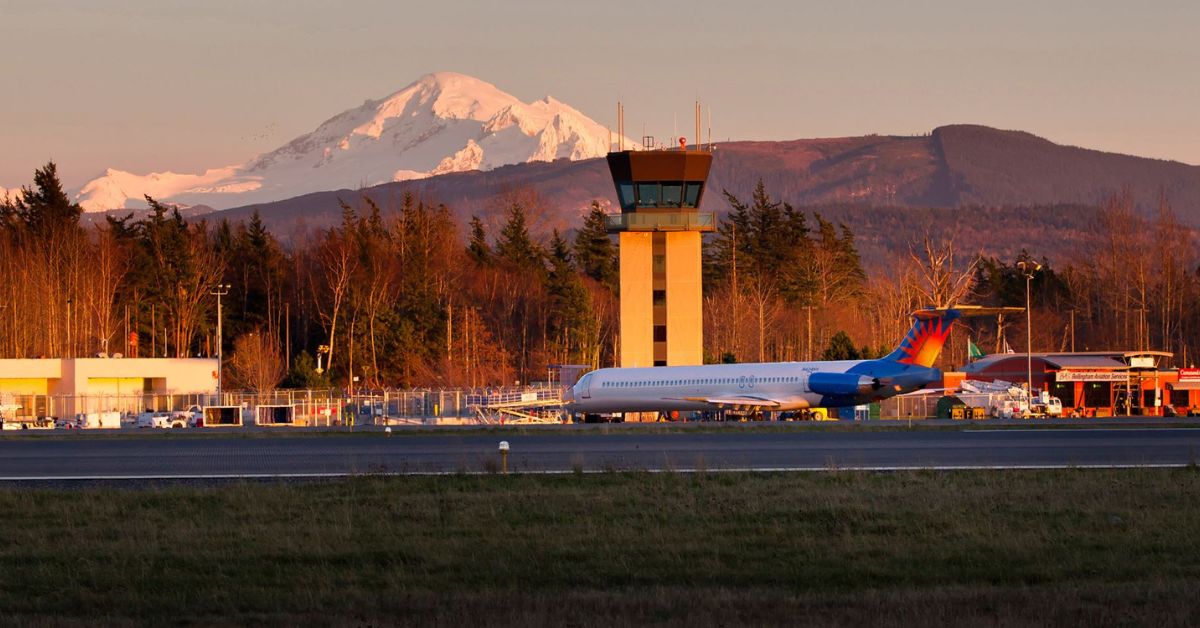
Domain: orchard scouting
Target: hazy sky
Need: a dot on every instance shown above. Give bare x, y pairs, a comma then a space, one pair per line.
183, 85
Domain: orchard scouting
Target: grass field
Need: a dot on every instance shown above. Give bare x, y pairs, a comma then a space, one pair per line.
965, 548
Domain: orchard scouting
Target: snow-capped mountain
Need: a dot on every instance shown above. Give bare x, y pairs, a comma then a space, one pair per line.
444, 122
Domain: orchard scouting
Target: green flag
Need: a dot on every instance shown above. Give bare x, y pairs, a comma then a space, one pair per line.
973, 352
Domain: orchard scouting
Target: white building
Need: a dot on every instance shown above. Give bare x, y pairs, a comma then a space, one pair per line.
64, 387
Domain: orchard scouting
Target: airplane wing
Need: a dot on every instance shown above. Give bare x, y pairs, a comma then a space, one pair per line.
758, 402
929, 391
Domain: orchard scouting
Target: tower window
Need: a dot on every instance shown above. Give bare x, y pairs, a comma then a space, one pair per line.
660, 297
660, 333
672, 193
648, 195
625, 191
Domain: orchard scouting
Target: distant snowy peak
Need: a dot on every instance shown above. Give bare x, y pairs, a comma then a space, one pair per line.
443, 122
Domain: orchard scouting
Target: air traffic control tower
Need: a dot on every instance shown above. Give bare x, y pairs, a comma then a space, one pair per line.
660, 228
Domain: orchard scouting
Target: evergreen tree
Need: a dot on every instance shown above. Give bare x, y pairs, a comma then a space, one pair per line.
173, 267
256, 275
841, 347
515, 248
594, 251
856, 276
839, 271
478, 249
45, 210
569, 320
223, 237
796, 281
769, 240
303, 374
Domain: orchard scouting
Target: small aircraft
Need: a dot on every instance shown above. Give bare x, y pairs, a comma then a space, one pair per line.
776, 386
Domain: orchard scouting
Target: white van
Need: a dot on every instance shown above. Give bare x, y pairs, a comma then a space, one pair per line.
1052, 408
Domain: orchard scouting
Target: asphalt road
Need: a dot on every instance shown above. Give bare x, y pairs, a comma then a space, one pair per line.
590, 450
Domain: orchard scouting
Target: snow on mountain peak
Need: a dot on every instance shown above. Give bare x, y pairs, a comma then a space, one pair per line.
442, 122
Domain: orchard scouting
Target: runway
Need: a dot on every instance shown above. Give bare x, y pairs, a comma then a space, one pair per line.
572, 450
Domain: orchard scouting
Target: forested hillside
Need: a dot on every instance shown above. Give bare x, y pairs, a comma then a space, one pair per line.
411, 295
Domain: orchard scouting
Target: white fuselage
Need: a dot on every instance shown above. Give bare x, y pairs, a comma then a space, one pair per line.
708, 387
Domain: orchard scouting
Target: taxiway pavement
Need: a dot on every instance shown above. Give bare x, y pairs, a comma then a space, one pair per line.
572, 450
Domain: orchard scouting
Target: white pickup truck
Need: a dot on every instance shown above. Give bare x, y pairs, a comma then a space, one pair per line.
177, 419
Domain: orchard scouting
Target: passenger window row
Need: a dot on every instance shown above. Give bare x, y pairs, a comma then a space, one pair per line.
700, 382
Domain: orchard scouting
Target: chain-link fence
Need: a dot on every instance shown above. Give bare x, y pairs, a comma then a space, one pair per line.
296, 407
17, 407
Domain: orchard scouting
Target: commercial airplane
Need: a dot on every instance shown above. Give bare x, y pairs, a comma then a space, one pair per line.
775, 386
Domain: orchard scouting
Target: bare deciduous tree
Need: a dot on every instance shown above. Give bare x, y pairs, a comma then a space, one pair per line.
257, 361
938, 276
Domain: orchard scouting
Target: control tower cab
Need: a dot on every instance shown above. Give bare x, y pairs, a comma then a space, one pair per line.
660, 229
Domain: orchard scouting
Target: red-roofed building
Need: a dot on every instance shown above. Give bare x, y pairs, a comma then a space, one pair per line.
1103, 383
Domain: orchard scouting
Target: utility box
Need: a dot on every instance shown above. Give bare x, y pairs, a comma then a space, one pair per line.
223, 416
275, 415
102, 420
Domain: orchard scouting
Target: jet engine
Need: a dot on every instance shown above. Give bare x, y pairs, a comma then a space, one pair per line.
842, 384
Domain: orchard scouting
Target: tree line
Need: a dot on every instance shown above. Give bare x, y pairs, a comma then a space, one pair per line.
407, 296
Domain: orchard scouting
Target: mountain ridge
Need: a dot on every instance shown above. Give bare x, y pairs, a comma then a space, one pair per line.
954, 166
441, 123
958, 177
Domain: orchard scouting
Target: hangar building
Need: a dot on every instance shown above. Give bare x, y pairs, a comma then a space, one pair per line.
1101, 383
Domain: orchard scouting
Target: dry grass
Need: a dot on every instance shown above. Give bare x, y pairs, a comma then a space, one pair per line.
964, 548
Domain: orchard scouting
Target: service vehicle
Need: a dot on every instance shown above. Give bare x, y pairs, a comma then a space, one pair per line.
1052, 407
164, 420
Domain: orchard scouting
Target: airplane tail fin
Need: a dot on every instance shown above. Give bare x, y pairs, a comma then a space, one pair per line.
925, 340
931, 328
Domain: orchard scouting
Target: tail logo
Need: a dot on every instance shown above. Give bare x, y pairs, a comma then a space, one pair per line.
924, 342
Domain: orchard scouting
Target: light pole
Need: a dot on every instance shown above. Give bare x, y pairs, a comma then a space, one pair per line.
1028, 269
69, 351
219, 291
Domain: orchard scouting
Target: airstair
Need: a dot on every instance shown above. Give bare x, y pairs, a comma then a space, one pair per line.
506, 407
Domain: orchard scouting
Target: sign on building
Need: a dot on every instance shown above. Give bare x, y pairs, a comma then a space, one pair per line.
1091, 376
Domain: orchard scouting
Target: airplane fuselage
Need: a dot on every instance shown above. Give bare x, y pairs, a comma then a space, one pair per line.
774, 386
